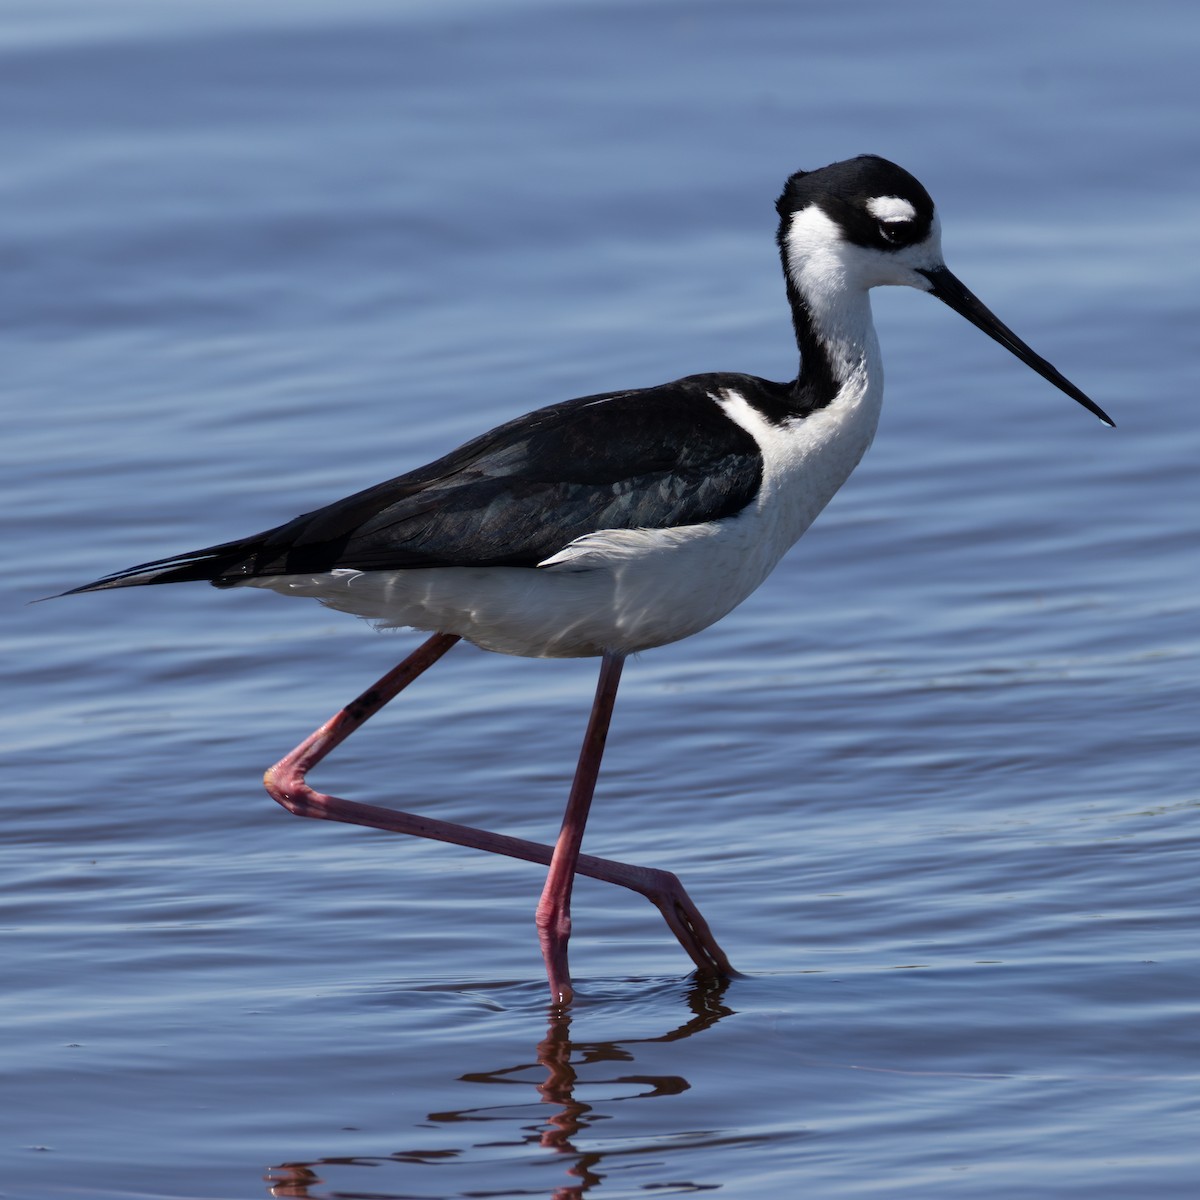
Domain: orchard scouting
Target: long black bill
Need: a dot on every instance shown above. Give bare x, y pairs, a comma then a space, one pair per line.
948, 289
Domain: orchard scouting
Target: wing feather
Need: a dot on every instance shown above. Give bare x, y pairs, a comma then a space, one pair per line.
654, 458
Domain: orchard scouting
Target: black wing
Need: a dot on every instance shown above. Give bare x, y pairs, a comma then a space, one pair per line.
648, 459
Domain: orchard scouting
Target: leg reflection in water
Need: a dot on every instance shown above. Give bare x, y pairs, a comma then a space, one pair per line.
518, 1133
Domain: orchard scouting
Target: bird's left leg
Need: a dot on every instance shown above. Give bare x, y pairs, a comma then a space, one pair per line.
554, 908
285, 780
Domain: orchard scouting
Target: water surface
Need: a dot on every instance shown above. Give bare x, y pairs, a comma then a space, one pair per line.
934, 785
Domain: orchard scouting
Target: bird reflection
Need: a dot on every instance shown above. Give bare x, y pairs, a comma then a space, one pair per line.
559, 1066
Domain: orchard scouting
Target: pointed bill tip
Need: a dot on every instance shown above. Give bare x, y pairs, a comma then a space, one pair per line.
951, 291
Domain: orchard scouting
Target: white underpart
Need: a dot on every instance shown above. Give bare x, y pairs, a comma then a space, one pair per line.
630, 590
891, 208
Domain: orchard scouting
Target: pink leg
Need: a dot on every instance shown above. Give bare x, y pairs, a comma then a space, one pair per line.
286, 783
554, 908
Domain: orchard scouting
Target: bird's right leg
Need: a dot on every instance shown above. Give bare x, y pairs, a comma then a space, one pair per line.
287, 785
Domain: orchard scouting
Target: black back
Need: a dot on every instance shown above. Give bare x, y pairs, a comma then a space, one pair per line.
653, 458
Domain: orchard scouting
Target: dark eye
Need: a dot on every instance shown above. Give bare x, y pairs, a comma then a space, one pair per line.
893, 232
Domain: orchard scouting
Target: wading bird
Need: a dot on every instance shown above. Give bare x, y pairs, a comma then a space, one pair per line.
614, 523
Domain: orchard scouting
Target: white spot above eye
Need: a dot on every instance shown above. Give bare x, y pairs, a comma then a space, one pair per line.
890, 208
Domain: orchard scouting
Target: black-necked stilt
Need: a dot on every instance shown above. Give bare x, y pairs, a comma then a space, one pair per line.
614, 523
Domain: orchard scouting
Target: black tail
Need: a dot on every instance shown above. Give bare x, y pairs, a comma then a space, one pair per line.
215, 564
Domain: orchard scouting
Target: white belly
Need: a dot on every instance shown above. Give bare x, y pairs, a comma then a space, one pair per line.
620, 590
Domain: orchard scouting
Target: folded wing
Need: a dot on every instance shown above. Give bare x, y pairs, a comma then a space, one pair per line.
654, 458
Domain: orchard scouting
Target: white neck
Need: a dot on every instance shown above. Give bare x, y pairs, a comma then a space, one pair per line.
833, 290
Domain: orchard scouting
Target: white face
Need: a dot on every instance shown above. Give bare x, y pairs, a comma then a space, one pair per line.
909, 261
821, 259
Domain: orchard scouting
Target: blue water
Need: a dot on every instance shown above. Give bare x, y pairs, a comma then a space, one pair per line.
934, 786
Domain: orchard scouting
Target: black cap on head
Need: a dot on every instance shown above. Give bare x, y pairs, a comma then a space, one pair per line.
844, 192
